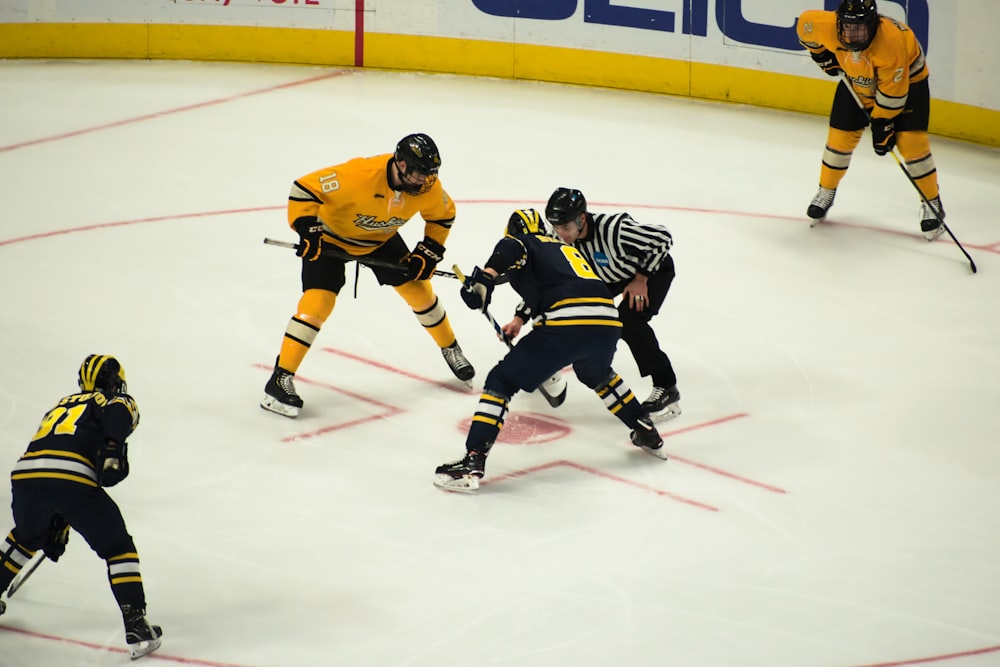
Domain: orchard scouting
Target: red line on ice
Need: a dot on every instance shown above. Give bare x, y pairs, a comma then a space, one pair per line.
115, 649
712, 469
937, 658
600, 473
993, 248
387, 410
168, 112
450, 386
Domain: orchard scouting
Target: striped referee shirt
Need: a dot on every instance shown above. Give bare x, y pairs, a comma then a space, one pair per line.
617, 247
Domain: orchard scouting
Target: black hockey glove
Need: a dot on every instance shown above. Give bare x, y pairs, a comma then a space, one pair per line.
827, 62
113, 463
477, 290
883, 135
424, 259
310, 232
56, 539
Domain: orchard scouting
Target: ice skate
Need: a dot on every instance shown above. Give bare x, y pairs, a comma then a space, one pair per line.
646, 437
141, 637
458, 364
3, 607
279, 394
929, 223
462, 475
821, 203
663, 403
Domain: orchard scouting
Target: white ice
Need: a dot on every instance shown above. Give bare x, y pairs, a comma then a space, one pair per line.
833, 493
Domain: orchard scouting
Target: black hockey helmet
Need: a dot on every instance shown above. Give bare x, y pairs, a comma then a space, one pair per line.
565, 206
857, 21
102, 372
421, 155
526, 221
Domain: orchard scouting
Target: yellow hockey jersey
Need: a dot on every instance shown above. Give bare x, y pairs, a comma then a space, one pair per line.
360, 211
882, 73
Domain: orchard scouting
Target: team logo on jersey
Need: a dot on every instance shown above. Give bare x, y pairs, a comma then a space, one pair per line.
372, 224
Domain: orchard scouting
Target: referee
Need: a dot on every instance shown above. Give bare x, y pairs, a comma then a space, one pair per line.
634, 261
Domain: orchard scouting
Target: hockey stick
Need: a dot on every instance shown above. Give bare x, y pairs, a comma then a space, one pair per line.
895, 156
553, 389
23, 575
360, 259
930, 207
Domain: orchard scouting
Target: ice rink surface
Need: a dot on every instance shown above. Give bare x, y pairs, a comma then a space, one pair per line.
832, 497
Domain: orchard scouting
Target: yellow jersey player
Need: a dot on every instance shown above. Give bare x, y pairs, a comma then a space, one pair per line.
884, 62
79, 449
357, 208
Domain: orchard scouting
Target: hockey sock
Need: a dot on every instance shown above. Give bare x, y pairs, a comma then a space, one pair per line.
619, 400
487, 422
840, 145
126, 581
915, 147
429, 311
314, 308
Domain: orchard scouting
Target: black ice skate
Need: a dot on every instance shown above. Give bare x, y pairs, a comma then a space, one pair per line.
929, 223
646, 437
821, 203
141, 637
462, 475
663, 403
279, 394
458, 364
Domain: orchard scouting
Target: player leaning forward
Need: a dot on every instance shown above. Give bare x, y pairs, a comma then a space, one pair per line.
883, 60
79, 449
576, 324
357, 208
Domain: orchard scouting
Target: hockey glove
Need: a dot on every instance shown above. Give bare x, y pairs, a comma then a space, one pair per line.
113, 464
827, 62
424, 259
310, 232
883, 135
56, 539
477, 290
523, 311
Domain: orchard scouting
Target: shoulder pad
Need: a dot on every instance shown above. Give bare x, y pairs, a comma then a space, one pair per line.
130, 405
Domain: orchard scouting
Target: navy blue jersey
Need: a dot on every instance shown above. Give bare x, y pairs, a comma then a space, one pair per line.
71, 437
558, 286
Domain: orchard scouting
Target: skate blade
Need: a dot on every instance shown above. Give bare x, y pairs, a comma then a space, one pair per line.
660, 453
277, 407
465, 484
671, 411
140, 649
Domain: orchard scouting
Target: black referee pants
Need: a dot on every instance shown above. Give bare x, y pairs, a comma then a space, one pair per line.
639, 335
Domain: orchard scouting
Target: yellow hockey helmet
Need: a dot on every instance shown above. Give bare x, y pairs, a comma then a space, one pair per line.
102, 372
